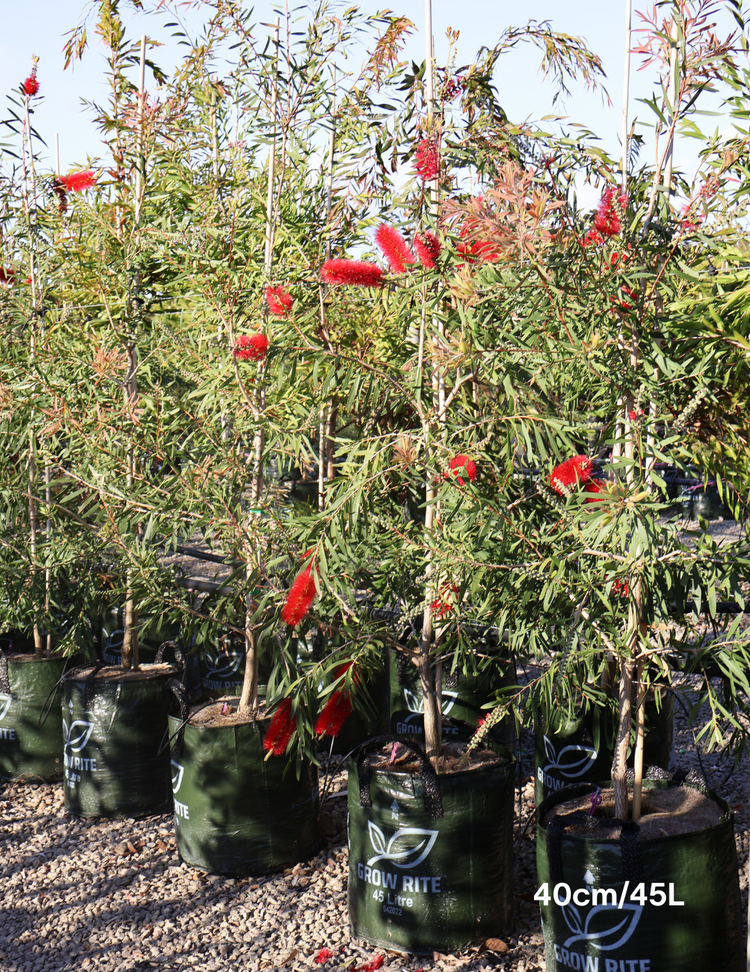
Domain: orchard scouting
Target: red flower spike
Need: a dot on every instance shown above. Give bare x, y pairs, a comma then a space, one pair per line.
463, 463
278, 300
280, 730
334, 714
356, 273
7, 275
427, 247
31, 85
608, 212
78, 181
592, 238
575, 470
300, 597
251, 347
426, 159
322, 956
394, 248
338, 708
442, 604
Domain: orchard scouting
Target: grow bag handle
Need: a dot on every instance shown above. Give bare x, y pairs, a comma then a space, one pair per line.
57, 687
4, 680
433, 803
630, 845
179, 658
175, 686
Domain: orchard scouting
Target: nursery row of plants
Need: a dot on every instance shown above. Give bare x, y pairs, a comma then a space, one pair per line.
347, 332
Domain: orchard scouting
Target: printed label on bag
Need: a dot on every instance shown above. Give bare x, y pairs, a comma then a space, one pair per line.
562, 767
180, 809
603, 920
75, 737
6, 732
413, 724
405, 849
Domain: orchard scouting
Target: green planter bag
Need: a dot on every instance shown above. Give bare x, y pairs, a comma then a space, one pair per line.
580, 750
237, 813
430, 857
115, 724
463, 698
664, 904
31, 738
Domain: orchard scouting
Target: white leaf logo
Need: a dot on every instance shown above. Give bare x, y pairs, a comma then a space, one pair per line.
607, 927
415, 703
222, 665
5, 701
571, 761
114, 641
177, 776
77, 735
406, 848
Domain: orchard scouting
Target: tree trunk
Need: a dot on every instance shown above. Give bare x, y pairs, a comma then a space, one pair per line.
619, 763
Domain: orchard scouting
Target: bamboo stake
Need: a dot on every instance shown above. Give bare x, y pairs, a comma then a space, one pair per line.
430, 676
130, 654
626, 94
248, 703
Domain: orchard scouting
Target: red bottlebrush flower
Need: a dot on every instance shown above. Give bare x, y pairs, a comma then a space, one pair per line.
427, 247
357, 273
426, 159
300, 597
465, 464
78, 181
394, 248
575, 470
621, 586
443, 604
7, 276
280, 730
608, 212
322, 956
334, 714
279, 301
31, 85
251, 347
592, 238
337, 709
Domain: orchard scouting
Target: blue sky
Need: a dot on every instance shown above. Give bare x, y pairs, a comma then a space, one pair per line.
39, 28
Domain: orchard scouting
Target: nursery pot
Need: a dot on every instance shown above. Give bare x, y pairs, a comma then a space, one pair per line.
430, 857
581, 749
237, 813
668, 903
31, 739
222, 667
152, 632
463, 698
114, 724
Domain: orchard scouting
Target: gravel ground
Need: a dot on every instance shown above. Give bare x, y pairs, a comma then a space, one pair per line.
113, 895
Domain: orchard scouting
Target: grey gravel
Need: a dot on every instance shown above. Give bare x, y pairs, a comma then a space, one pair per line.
113, 894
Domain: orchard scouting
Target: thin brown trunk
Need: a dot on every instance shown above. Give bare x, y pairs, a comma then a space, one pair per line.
640, 724
34, 527
620, 761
